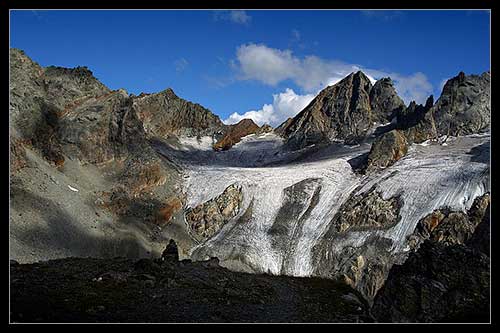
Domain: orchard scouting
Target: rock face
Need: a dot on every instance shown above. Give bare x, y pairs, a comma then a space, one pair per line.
97, 144
385, 102
438, 283
341, 111
165, 113
448, 278
205, 220
68, 87
464, 105
369, 211
235, 132
101, 130
266, 128
463, 108
281, 130
417, 121
31, 119
365, 267
450, 227
386, 150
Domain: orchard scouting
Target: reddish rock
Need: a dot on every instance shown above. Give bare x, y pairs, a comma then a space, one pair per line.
235, 133
17, 156
165, 213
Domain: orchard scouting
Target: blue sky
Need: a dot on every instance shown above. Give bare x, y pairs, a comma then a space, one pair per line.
266, 65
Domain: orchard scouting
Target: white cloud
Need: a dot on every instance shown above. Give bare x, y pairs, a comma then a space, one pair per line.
181, 64
235, 16
271, 66
414, 87
286, 104
311, 73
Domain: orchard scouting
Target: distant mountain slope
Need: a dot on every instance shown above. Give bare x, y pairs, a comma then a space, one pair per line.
165, 113
348, 111
84, 178
235, 132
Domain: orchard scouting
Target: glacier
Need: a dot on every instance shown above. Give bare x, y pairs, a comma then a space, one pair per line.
430, 176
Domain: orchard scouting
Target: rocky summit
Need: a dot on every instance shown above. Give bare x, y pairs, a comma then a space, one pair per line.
149, 208
341, 111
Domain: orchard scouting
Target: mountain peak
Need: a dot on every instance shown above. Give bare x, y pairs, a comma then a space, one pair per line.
341, 111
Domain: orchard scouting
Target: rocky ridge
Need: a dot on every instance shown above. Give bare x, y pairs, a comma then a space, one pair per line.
349, 109
341, 111
235, 132
96, 139
165, 114
78, 146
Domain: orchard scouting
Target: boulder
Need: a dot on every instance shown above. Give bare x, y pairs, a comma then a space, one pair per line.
171, 252
386, 150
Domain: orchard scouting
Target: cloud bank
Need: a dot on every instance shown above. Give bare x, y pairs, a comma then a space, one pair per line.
312, 74
286, 104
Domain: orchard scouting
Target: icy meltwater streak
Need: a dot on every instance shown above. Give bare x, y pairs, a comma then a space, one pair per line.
264, 186
428, 178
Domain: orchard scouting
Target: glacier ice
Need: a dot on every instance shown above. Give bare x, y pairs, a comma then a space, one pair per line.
429, 177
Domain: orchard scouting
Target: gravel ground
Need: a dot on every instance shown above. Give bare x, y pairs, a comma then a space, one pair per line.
121, 290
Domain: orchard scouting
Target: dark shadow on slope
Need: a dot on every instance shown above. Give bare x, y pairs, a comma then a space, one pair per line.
359, 162
259, 158
62, 232
481, 153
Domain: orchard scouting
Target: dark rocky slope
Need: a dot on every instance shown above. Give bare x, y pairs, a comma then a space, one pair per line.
440, 283
121, 290
165, 114
84, 151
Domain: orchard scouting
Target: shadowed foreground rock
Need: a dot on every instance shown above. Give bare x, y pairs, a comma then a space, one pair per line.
119, 290
440, 283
